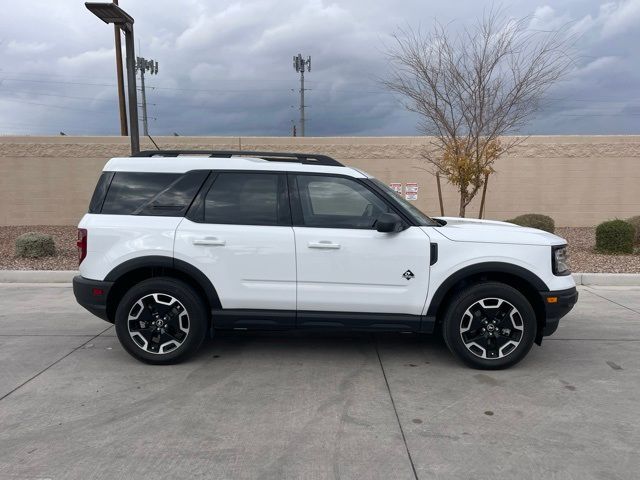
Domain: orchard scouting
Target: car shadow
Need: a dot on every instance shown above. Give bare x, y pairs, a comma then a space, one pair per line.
329, 343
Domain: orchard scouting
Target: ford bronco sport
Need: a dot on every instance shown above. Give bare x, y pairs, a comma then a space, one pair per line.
179, 244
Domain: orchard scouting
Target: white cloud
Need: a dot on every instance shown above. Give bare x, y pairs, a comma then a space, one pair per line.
620, 17
25, 47
546, 18
600, 65
213, 27
87, 60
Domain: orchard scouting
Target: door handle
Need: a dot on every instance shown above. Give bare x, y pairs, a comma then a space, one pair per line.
326, 244
210, 241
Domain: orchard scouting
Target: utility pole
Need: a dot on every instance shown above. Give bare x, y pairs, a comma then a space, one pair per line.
144, 65
299, 65
124, 131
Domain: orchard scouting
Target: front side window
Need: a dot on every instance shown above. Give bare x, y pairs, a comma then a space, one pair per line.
338, 202
246, 199
409, 209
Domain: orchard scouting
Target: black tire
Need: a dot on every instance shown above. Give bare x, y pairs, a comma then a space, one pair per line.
171, 342
508, 320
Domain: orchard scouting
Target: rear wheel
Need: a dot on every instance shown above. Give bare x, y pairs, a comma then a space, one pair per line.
490, 326
161, 320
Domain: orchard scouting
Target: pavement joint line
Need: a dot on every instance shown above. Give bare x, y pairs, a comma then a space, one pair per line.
548, 339
612, 301
395, 410
51, 365
44, 335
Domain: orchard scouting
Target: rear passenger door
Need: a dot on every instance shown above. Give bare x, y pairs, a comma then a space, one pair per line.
238, 232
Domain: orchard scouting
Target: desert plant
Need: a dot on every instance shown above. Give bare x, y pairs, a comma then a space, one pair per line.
635, 222
615, 236
35, 245
535, 220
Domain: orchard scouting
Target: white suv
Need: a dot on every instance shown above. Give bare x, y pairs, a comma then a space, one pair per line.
179, 244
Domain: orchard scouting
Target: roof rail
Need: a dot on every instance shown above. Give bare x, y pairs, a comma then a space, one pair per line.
306, 158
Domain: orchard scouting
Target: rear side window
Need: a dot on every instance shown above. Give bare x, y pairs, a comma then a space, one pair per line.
163, 194
247, 199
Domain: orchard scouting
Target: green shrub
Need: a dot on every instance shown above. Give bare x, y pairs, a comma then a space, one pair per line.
35, 245
635, 222
535, 220
615, 236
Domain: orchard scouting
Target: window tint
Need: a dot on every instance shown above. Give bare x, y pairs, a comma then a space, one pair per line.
245, 199
137, 193
99, 193
176, 198
337, 202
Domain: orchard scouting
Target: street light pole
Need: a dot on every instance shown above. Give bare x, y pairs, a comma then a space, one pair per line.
122, 103
133, 94
112, 13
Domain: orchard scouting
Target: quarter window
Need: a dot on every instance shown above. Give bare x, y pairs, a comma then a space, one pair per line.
100, 192
337, 202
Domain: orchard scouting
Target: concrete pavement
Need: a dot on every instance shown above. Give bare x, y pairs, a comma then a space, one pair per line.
74, 405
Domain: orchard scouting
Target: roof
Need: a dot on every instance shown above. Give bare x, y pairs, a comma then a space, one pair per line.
185, 163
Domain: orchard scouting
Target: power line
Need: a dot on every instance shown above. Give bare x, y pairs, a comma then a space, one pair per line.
51, 106
13, 79
204, 107
600, 115
49, 74
284, 88
36, 93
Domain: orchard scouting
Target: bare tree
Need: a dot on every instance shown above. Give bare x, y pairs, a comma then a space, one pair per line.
472, 88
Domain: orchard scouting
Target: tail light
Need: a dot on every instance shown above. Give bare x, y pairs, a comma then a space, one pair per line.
82, 244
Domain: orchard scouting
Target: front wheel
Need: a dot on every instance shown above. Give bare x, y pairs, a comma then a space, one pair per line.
490, 326
161, 320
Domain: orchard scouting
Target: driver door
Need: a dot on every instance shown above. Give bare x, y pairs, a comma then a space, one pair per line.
343, 264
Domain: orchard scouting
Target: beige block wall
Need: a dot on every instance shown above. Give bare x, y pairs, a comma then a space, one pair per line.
578, 180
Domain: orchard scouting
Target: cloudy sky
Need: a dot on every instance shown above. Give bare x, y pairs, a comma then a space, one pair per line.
225, 67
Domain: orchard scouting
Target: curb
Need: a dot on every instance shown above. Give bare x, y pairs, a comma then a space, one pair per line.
607, 279
37, 276
65, 276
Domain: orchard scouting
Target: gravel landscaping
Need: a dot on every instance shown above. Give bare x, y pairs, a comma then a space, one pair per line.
581, 245
582, 241
66, 251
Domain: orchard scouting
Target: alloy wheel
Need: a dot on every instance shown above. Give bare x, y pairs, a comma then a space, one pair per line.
491, 328
158, 323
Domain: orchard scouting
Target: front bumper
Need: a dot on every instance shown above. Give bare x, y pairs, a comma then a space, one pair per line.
557, 304
92, 295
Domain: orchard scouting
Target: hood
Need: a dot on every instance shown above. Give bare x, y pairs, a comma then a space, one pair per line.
491, 231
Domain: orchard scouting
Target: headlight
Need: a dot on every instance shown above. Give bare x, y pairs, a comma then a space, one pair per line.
559, 260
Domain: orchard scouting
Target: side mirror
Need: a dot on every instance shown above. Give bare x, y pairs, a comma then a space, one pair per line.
388, 223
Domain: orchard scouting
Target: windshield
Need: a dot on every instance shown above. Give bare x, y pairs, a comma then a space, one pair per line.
410, 209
